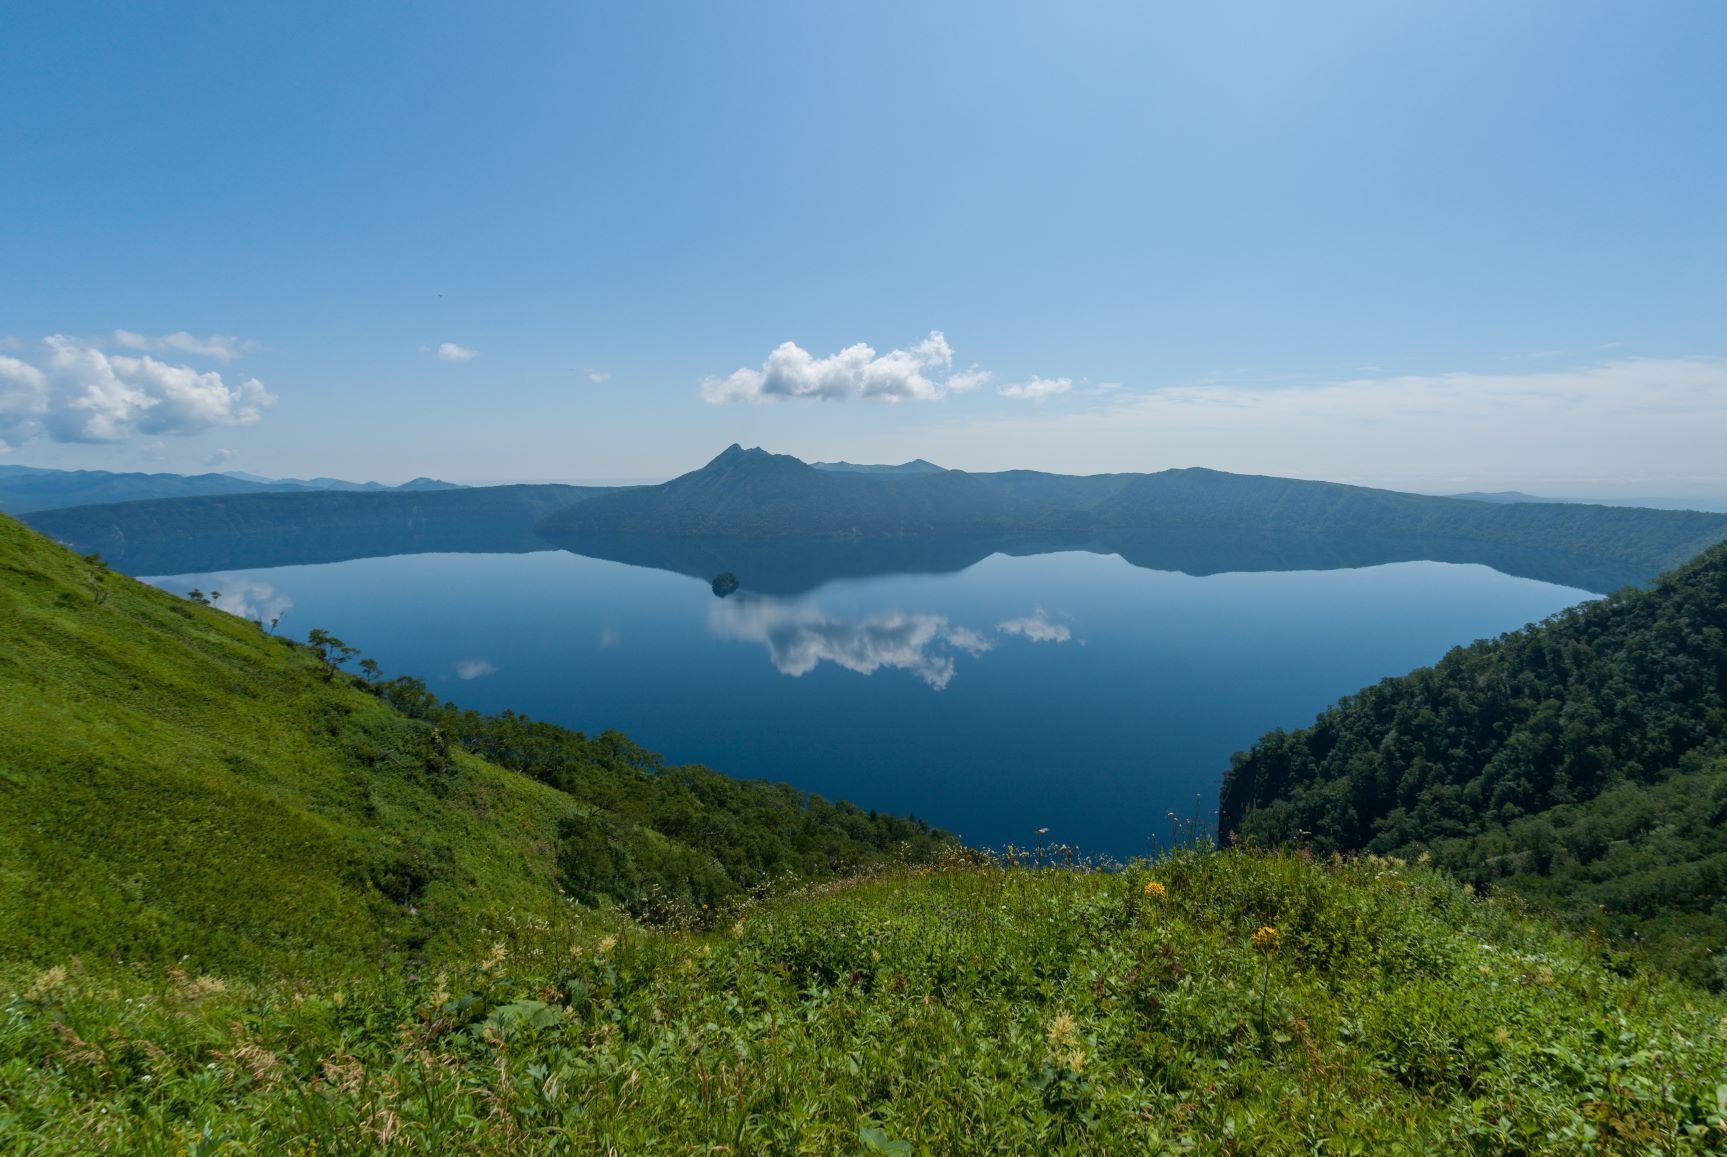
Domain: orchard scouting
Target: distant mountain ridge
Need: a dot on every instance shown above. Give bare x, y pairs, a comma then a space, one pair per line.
27, 489
754, 494
279, 528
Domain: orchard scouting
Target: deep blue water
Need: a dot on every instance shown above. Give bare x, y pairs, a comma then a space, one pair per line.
1071, 691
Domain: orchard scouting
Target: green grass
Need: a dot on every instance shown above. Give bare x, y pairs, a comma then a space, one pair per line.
173, 782
976, 1007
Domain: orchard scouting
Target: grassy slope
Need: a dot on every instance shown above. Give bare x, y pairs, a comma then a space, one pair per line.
174, 782
975, 1008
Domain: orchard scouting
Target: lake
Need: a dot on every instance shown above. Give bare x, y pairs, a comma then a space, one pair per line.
1066, 690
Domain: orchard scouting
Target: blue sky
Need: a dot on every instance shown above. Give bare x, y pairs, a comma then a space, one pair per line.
1448, 245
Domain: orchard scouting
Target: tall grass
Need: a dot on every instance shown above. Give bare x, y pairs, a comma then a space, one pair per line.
976, 1006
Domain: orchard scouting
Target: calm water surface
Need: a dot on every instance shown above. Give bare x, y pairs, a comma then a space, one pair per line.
1071, 691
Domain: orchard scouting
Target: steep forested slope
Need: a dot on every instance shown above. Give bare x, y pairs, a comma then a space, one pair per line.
174, 782
1581, 761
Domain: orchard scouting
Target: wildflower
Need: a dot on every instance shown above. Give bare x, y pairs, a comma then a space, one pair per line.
1155, 890
1063, 1032
608, 944
1502, 1036
1267, 938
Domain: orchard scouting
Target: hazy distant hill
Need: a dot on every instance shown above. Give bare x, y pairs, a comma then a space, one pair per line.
755, 494
25, 489
182, 535
1716, 505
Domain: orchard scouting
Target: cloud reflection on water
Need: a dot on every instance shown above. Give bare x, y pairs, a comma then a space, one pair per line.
799, 637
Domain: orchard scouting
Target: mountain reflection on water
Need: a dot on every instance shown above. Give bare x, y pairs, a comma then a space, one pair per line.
799, 566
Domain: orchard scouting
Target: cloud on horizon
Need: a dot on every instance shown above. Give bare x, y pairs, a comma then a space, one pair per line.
921, 373
74, 391
1647, 422
1036, 389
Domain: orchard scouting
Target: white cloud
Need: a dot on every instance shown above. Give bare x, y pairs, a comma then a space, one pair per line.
216, 347
1036, 627
449, 351
919, 373
221, 457
1038, 389
599, 377
968, 379
467, 669
74, 392
799, 637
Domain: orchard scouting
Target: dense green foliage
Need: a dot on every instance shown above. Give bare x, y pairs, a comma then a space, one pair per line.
753, 494
24, 489
1581, 761
176, 783
740, 834
982, 1007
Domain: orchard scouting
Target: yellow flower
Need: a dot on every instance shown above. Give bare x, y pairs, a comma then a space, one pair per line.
1063, 1032
1155, 890
1267, 938
608, 944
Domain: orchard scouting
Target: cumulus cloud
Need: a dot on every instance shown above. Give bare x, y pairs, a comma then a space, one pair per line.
799, 637
73, 391
599, 377
449, 351
1036, 627
467, 669
921, 373
1036, 389
216, 347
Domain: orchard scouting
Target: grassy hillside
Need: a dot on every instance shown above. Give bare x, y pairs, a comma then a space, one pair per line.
1227, 1003
174, 783
1581, 762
